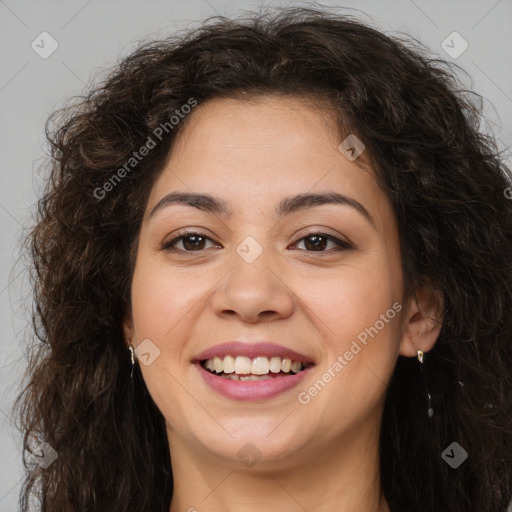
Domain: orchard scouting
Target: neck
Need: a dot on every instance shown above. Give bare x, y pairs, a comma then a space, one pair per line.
343, 476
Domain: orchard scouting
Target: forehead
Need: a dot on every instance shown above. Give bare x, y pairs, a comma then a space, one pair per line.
273, 121
252, 152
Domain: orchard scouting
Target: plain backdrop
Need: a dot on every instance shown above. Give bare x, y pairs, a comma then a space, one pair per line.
92, 35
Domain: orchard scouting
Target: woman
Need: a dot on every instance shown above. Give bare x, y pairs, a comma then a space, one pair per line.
272, 272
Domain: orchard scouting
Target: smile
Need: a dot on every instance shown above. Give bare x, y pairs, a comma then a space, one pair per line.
246, 386
258, 368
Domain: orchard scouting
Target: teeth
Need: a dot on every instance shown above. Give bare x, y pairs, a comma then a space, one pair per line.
242, 365
260, 366
296, 366
234, 376
229, 364
218, 364
275, 364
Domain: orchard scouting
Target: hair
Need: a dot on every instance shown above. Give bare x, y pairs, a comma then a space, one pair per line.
447, 182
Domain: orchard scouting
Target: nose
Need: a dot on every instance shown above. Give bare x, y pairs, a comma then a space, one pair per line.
253, 291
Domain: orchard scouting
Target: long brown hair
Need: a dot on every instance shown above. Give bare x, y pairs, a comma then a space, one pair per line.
448, 186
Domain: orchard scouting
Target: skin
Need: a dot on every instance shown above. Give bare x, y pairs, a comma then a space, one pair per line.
322, 455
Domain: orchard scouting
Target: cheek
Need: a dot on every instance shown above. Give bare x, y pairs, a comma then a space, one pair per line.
362, 348
162, 308
353, 299
161, 299
360, 324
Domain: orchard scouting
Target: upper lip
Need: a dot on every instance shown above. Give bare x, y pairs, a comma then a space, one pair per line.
251, 350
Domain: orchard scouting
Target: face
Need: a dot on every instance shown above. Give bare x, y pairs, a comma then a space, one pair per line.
322, 280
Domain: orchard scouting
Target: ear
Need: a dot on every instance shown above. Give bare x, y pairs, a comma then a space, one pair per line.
128, 333
423, 321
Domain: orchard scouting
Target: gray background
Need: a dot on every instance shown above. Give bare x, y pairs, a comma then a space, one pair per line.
92, 35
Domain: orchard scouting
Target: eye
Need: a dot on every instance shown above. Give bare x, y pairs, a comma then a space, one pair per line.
191, 241
318, 241
195, 242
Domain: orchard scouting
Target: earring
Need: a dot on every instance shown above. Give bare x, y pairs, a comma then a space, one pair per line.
430, 411
130, 348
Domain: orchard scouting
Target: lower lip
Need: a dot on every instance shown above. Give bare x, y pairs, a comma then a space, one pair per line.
251, 390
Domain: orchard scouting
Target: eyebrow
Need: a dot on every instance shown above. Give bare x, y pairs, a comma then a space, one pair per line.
287, 206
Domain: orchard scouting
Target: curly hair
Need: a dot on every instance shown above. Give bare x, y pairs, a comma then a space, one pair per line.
447, 183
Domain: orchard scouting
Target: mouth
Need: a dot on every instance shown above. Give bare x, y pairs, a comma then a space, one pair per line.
242, 368
255, 371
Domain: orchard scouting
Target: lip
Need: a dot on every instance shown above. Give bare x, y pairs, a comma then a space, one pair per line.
262, 348
251, 390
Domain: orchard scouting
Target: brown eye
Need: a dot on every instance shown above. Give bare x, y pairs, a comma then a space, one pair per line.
194, 242
190, 241
317, 242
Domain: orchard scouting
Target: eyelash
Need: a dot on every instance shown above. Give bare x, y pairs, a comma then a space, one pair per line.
168, 246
